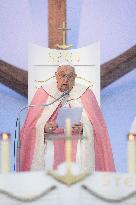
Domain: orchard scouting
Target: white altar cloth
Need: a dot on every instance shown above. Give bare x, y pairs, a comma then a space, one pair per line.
37, 188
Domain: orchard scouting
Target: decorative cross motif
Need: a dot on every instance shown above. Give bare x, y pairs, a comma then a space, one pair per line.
68, 178
64, 46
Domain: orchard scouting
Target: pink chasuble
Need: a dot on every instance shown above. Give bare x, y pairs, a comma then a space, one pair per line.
103, 152
28, 131
28, 134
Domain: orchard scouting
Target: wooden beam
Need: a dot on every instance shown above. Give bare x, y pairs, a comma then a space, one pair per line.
56, 16
117, 67
13, 77
17, 79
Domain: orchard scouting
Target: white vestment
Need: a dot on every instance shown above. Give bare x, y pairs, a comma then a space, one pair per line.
44, 153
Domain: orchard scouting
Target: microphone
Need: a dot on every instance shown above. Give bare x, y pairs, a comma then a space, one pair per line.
36, 105
18, 123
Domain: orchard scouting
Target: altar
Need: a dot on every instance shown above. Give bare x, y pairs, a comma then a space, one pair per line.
39, 188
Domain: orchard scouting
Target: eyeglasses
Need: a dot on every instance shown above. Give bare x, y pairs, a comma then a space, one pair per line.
63, 76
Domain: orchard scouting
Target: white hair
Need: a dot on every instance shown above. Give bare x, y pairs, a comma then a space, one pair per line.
66, 64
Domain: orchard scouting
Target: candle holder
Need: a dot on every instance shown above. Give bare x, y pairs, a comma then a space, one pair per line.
69, 178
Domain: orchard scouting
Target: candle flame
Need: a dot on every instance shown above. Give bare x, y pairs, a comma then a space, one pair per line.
5, 136
131, 137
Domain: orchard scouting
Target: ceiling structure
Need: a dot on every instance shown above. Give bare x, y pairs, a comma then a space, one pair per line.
17, 78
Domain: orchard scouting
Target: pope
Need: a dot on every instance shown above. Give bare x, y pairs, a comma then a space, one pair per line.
92, 153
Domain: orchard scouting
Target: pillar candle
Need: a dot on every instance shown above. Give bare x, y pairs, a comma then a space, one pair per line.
132, 153
5, 153
68, 144
132, 148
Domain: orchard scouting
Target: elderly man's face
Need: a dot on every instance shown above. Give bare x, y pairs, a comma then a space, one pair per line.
65, 77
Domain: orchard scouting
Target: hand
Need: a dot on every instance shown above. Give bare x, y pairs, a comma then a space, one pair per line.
50, 127
77, 128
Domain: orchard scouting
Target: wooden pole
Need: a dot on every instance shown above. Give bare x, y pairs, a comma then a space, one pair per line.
56, 17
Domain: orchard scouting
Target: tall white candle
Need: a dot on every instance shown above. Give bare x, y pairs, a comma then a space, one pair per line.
131, 153
132, 148
5, 153
68, 144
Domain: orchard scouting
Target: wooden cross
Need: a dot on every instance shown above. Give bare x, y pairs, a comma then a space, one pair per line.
56, 17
